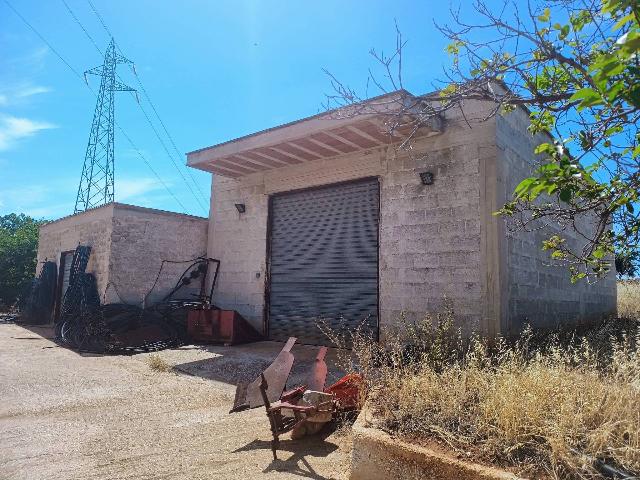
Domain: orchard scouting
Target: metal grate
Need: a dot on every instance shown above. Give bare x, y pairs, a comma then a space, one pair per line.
324, 261
66, 276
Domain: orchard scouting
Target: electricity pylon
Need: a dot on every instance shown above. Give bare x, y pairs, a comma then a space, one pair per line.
97, 180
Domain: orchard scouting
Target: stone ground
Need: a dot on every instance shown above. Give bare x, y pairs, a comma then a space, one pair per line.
69, 416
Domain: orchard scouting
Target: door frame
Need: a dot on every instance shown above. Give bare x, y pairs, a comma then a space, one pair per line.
267, 282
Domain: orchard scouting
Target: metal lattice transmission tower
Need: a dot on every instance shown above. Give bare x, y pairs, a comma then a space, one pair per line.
97, 179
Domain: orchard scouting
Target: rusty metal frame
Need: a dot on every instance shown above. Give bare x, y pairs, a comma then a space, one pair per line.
58, 298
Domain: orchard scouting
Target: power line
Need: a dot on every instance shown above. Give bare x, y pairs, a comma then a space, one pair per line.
44, 40
148, 120
146, 116
82, 27
166, 131
104, 25
184, 209
143, 111
81, 77
97, 178
175, 148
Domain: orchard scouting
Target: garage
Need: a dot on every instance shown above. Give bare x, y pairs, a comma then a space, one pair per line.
393, 250
323, 261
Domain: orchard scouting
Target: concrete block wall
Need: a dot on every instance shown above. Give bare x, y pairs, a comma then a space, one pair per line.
241, 246
539, 293
435, 241
128, 244
92, 228
430, 236
140, 239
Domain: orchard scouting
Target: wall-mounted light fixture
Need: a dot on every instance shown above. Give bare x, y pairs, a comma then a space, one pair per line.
426, 178
240, 207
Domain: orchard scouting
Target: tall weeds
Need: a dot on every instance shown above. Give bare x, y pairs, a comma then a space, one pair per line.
557, 407
629, 299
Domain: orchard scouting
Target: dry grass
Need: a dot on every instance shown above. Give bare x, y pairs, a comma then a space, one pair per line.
551, 408
158, 364
629, 299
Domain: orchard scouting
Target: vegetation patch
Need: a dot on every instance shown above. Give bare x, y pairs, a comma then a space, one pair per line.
158, 364
560, 405
18, 251
629, 298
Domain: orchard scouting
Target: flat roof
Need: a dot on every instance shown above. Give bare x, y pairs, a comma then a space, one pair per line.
125, 206
341, 131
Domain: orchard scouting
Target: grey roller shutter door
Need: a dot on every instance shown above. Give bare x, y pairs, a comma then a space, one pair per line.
324, 261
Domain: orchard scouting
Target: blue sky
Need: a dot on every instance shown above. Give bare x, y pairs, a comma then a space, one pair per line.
214, 70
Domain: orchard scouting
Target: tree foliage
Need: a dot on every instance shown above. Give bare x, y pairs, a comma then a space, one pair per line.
18, 250
627, 264
574, 65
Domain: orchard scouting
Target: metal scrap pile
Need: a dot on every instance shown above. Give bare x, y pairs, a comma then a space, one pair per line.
86, 325
305, 409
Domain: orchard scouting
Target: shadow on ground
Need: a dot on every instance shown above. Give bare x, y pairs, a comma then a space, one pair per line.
228, 364
244, 363
292, 454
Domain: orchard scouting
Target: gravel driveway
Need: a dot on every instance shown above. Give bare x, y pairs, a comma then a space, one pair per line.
70, 416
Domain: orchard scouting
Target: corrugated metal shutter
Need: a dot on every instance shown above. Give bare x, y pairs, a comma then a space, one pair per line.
324, 261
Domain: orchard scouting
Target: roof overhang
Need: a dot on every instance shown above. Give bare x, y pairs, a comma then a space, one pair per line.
379, 122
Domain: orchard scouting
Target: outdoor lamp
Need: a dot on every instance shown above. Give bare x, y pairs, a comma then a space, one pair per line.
426, 178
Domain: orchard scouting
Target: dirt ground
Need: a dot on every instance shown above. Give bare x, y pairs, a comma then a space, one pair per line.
69, 416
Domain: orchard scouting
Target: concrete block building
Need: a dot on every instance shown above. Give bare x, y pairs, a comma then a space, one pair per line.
326, 219
128, 244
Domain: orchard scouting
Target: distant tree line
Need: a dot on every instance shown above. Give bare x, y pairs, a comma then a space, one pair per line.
18, 252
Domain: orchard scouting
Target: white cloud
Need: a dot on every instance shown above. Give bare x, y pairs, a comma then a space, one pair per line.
13, 129
28, 91
34, 60
135, 188
51, 211
55, 198
18, 94
40, 200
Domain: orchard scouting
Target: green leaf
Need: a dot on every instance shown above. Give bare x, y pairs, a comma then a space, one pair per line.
588, 97
631, 46
577, 276
623, 21
565, 194
546, 15
544, 148
613, 92
523, 187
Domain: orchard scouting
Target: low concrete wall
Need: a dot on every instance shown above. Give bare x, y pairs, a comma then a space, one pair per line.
128, 244
376, 455
141, 239
92, 228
